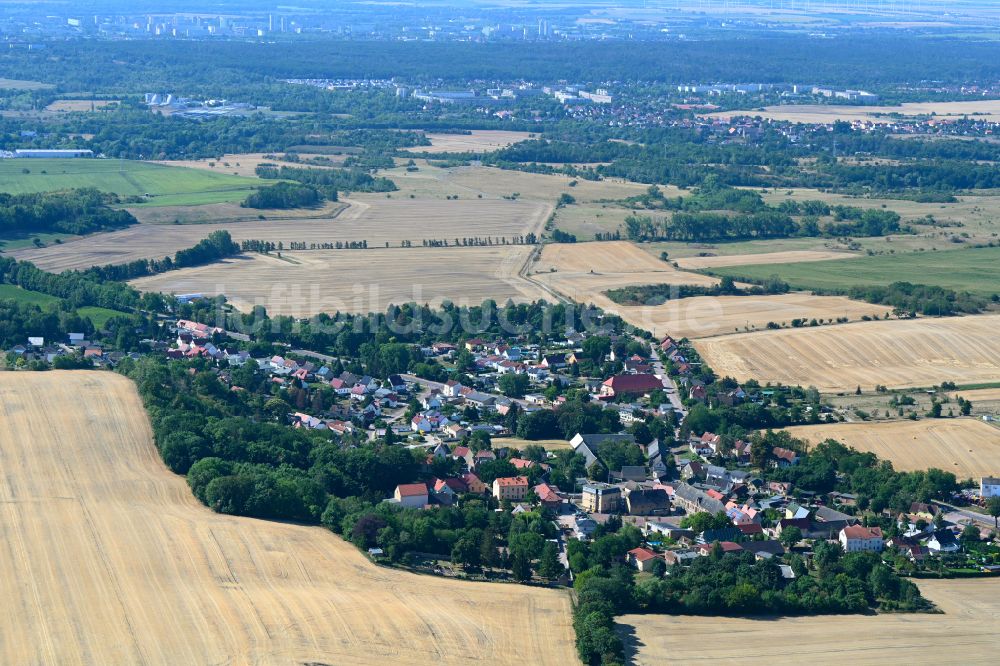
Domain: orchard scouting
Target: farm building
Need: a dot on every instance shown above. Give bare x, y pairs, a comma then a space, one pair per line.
52, 153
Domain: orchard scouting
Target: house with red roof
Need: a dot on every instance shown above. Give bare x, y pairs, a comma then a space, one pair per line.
513, 488
413, 495
474, 484
855, 539
629, 385
784, 457
548, 496
642, 558
728, 547
197, 330
521, 463
447, 490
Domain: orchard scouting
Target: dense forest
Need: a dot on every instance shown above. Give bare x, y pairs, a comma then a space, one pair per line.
284, 195
79, 211
329, 181
238, 67
719, 212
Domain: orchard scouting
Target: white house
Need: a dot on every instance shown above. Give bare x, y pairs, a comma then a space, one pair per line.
451, 389
943, 541
413, 495
989, 486
855, 539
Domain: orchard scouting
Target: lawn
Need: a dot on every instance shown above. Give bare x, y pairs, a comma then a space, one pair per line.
976, 270
9, 292
167, 185
99, 316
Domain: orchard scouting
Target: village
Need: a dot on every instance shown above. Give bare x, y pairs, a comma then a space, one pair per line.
492, 434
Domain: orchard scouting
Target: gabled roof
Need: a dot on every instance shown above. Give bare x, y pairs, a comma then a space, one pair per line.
512, 481
633, 383
642, 554
547, 493
411, 489
944, 537
456, 485
859, 532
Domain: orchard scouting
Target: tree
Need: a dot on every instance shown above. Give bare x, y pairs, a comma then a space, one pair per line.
520, 566
970, 534
993, 507
513, 385
597, 471
466, 550
488, 555
596, 347
549, 566
790, 536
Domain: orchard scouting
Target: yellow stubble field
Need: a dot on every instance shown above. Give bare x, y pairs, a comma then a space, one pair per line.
302, 284
376, 220
894, 353
960, 634
476, 141
967, 447
584, 271
828, 113
108, 559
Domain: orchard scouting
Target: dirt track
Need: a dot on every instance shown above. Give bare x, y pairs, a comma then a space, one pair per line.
108, 559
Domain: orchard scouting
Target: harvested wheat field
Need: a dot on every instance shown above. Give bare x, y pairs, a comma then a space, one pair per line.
897, 354
66, 105
228, 213
481, 182
977, 395
302, 284
378, 221
961, 634
827, 113
784, 257
967, 447
584, 271
543, 187
109, 559
245, 164
518, 443
476, 141
709, 316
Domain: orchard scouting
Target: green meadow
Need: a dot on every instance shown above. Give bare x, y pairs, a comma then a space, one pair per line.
976, 270
166, 185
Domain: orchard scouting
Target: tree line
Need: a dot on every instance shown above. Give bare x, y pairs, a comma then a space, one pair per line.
217, 245
657, 294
